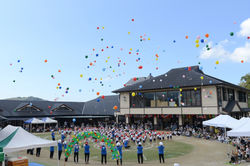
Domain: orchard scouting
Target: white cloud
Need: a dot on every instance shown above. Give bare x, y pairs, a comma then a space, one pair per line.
219, 52
245, 28
241, 53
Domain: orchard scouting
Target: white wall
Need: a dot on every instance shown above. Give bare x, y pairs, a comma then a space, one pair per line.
209, 96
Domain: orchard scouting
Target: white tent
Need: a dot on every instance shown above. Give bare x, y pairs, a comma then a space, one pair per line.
14, 139
242, 130
34, 121
49, 120
223, 121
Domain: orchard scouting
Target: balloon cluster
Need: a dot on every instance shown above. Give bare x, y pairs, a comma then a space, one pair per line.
97, 136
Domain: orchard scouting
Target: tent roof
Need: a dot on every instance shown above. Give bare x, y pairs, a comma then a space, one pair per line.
242, 130
224, 121
49, 120
34, 121
14, 139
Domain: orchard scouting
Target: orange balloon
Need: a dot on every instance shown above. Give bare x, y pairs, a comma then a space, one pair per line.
115, 107
45, 60
207, 35
98, 93
59, 71
186, 37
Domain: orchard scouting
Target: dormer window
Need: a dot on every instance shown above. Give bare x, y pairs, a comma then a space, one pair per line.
61, 107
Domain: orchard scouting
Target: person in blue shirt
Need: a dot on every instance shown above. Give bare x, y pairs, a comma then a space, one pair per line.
86, 152
51, 149
59, 149
119, 148
104, 153
140, 153
62, 137
53, 135
161, 151
76, 153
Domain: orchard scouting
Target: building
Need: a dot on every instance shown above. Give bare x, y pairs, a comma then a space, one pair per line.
181, 96
15, 111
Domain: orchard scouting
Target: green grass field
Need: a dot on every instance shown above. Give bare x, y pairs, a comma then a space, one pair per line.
173, 149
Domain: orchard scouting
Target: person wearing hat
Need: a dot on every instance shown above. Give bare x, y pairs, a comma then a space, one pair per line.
76, 153
104, 153
140, 153
59, 149
161, 151
86, 152
119, 148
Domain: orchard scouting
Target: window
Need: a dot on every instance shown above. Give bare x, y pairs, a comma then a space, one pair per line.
161, 99
224, 91
173, 98
231, 95
191, 98
136, 101
219, 96
242, 96
149, 99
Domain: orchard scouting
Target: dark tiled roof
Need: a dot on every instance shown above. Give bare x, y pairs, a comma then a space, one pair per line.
179, 77
104, 107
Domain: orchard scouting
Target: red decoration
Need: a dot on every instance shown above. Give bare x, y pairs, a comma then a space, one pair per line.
140, 67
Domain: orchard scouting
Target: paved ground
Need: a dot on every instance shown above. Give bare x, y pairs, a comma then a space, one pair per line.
204, 153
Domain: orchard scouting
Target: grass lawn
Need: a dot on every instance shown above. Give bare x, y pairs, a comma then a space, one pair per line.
173, 149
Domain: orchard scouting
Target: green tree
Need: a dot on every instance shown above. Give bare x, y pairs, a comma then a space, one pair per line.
245, 81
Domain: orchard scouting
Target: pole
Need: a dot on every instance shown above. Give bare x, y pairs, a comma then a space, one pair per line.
58, 162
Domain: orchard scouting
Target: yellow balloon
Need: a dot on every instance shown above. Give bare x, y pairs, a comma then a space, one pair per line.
133, 94
148, 38
156, 59
180, 90
81, 75
129, 33
102, 27
196, 41
180, 94
202, 77
217, 62
130, 49
197, 45
195, 88
106, 61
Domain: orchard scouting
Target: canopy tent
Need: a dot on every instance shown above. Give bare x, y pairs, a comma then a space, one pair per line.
14, 139
49, 120
33, 121
242, 130
223, 121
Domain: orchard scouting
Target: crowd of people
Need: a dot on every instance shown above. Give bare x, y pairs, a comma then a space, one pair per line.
125, 135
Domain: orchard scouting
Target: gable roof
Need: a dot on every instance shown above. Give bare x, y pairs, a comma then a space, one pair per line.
92, 107
178, 77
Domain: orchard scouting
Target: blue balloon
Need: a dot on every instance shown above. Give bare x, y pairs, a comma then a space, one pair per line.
202, 40
200, 67
112, 46
98, 100
74, 120
96, 55
210, 82
140, 86
90, 78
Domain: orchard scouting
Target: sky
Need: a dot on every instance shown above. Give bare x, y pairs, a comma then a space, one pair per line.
40, 38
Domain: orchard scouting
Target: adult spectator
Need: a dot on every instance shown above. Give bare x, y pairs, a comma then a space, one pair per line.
140, 153
161, 152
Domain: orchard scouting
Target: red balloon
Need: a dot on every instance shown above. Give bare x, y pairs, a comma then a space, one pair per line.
134, 78
103, 96
140, 67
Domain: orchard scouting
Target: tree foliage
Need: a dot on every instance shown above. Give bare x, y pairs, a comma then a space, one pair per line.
245, 81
